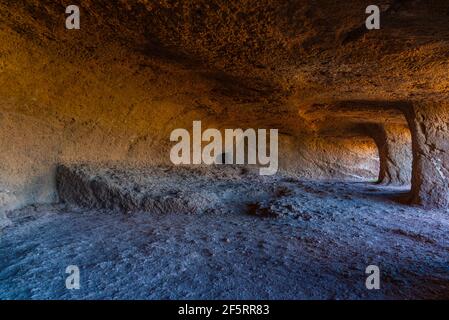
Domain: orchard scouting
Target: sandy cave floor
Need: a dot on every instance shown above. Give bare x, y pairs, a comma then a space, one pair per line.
320, 251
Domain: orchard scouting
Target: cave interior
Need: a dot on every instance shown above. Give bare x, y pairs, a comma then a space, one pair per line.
363, 131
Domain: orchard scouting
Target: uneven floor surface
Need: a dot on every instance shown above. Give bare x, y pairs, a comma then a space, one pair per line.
307, 240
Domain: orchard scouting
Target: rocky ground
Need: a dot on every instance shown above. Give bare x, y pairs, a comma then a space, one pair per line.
259, 238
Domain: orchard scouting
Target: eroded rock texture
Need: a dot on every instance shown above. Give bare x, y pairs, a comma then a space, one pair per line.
430, 128
114, 90
395, 153
160, 189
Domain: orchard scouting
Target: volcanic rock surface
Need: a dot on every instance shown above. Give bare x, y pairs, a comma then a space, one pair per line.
162, 189
116, 88
86, 117
307, 240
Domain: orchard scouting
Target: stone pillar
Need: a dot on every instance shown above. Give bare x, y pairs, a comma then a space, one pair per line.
6, 203
395, 152
429, 123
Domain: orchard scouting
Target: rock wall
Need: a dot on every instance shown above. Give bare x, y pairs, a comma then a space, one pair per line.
119, 107
429, 122
315, 157
52, 111
114, 90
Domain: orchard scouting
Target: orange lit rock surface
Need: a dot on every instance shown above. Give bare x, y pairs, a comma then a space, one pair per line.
115, 89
